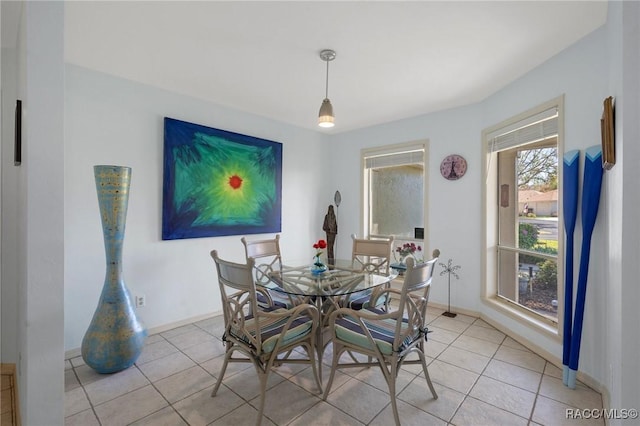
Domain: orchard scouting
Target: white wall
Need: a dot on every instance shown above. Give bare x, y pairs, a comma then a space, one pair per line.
40, 224
580, 72
630, 332
453, 206
115, 121
621, 331
9, 292
613, 212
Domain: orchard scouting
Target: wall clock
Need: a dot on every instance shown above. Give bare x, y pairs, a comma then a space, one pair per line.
453, 167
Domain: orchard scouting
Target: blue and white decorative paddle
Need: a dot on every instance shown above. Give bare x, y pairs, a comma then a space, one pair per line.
571, 172
591, 185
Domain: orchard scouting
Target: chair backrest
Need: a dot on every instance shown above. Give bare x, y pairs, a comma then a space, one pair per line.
238, 292
414, 296
372, 255
267, 256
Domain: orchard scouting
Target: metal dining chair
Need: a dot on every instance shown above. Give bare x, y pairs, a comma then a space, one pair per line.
389, 337
261, 335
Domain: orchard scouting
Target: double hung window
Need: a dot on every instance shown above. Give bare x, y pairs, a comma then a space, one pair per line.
522, 207
394, 191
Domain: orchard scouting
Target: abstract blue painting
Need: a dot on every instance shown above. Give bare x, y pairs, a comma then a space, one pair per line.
219, 183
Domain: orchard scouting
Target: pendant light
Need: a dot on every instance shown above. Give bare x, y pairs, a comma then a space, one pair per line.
325, 116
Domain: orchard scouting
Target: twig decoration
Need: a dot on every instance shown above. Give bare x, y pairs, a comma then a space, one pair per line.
448, 269
451, 270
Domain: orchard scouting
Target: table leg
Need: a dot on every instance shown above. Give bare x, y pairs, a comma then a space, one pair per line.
319, 335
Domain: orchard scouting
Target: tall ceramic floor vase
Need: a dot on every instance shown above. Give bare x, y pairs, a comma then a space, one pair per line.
115, 336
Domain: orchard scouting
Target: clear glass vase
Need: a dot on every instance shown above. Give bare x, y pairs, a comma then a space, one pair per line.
318, 266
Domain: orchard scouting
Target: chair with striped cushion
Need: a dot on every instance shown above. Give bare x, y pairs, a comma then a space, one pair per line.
268, 258
260, 335
373, 255
389, 337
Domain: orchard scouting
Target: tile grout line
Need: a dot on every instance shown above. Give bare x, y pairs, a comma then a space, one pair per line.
152, 383
535, 401
86, 394
450, 345
468, 393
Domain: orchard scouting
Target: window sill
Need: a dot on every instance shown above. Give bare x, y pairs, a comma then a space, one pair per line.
546, 327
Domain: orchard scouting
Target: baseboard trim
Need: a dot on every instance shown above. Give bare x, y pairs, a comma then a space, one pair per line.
76, 352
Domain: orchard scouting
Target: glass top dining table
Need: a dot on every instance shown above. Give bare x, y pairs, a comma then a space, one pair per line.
342, 277
295, 280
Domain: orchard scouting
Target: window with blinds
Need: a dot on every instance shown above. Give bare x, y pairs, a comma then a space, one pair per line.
394, 190
395, 159
522, 199
536, 128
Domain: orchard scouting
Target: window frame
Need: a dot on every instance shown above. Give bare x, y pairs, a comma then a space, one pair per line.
490, 236
364, 183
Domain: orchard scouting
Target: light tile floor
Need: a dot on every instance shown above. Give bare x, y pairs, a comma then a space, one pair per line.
482, 378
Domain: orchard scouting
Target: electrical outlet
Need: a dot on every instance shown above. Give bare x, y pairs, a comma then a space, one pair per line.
141, 301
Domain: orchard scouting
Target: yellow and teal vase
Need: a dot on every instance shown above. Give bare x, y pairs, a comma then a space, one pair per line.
115, 336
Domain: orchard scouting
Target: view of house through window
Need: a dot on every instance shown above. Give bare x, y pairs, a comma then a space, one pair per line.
394, 192
532, 243
527, 214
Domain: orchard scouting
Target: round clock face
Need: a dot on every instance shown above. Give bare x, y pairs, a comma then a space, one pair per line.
453, 167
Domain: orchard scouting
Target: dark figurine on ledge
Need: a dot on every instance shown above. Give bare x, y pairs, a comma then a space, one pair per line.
330, 226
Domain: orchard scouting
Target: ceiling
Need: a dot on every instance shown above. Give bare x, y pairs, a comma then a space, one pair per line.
394, 59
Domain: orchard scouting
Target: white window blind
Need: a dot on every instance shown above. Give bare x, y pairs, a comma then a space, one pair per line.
531, 129
397, 159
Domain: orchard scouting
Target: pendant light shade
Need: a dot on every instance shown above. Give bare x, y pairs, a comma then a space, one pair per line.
325, 116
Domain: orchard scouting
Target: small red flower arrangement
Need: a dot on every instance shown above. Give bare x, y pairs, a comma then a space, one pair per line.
319, 246
318, 267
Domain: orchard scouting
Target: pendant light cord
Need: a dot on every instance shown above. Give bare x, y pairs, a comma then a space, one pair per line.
326, 93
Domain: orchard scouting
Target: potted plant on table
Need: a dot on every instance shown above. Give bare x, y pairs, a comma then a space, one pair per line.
407, 249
